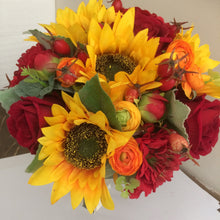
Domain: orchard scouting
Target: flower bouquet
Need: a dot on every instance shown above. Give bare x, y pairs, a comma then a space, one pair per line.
112, 93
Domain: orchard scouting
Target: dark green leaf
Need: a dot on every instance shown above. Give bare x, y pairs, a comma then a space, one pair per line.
35, 164
43, 39
95, 99
25, 89
177, 113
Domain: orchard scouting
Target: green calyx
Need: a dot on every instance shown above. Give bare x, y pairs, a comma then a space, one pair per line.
123, 116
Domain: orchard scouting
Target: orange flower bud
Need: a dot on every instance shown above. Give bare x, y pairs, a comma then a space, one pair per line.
128, 115
127, 159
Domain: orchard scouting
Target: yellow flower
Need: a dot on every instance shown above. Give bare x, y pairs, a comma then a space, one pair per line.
120, 57
76, 145
197, 60
74, 25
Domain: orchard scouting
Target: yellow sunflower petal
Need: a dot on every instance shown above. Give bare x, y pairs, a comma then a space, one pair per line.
107, 42
54, 132
54, 159
106, 198
92, 198
58, 110
60, 189
76, 195
43, 176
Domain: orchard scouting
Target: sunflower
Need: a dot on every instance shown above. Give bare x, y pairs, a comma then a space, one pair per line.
120, 58
197, 61
76, 145
74, 25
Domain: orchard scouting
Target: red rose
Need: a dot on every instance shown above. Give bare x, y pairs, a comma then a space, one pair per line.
155, 24
202, 125
159, 162
27, 117
27, 60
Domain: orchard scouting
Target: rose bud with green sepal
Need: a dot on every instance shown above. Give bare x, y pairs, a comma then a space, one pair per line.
46, 61
152, 107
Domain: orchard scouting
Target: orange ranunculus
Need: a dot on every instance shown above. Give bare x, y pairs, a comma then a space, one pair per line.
127, 159
129, 114
181, 49
195, 80
68, 70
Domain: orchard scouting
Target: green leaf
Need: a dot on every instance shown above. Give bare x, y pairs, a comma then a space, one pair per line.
176, 113
125, 194
215, 77
95, 99
35, 164
43, 39
8, 97
24, 89
134, 183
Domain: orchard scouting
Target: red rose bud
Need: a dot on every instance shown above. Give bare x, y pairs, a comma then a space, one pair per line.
152, 107
61, 47
131, 94
178, 143
168, 84
45, 62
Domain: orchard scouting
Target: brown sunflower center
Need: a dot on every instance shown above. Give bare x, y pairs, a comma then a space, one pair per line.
110, 64
85, 145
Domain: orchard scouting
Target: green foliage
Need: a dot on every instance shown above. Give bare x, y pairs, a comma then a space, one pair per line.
215, 77
35, 76
8, 97
126, 185
35, 164
43, 39
95, 99
24, 89
176, 113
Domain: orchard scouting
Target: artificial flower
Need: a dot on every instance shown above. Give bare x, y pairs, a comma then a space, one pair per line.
128, 115
76, 145
195, 63
26, 118
27, 59
152, 107
202, 124
114, 55
155, 24
127, 159
159, 162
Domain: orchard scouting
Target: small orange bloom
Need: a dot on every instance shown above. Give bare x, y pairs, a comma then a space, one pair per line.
181, 49
134, 116
127, 159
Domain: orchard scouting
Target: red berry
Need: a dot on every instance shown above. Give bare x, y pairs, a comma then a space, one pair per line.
61, 47
178, 143
165, 69
131, 94
167, 84
82, 56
